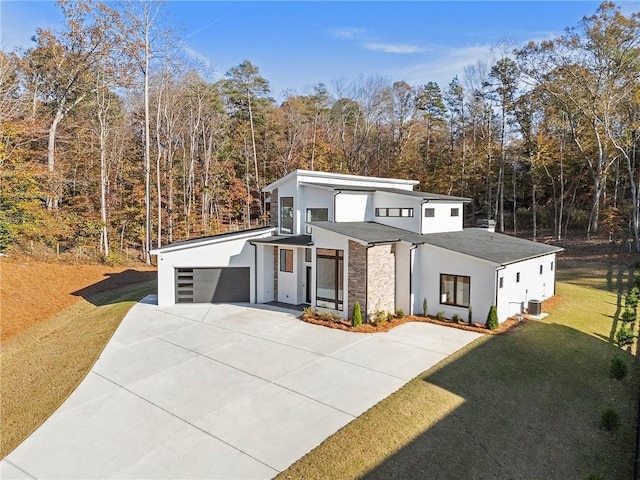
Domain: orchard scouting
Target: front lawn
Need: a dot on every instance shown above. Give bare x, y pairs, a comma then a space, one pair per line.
526, 404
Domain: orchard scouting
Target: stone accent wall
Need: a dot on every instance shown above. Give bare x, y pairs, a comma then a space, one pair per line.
276, 258
357, 275
381, 278
273, 221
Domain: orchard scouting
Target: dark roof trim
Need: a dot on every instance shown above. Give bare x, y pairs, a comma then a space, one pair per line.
293, 240
396, 191
220, 236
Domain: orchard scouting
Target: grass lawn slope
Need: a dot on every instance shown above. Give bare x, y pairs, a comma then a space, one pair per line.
526, 404
42, 363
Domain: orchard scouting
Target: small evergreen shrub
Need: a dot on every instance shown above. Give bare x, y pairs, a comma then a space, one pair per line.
456, 318
356, 316
628, 315
624, 336
492, 319
610, 420
400, 313
390, 317
617, 369
440, 315
379, 317
424, 306
310, 311
631, 300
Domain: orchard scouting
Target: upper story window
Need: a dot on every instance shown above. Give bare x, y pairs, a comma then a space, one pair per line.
317, 215
394, 212
286, 214
455, 212
429, 212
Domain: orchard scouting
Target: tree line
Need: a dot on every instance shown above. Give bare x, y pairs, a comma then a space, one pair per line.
109, 140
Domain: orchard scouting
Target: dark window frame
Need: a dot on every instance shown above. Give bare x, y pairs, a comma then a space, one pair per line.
517, 277
283, 219
455, 211
286, 260
307, 255
404, 212
455, 302
431, 211
338, 257
309, 219
501, 282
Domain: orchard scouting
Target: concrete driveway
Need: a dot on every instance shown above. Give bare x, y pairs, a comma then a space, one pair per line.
221, 391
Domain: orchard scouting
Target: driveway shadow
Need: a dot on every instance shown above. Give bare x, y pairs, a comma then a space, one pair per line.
114, 285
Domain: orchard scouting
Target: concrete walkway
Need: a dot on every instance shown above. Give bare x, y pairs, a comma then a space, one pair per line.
221, 391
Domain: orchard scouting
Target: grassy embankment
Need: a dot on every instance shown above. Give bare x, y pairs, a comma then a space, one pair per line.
43, 364
526, 404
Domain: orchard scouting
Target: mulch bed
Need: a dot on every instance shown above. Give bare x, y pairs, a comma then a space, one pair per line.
506, 326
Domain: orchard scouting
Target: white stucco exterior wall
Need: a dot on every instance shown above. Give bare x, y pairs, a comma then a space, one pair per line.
264, 262
353, 207
432, 261
223, 252
288, 281
514, 296
442, 221
389, 200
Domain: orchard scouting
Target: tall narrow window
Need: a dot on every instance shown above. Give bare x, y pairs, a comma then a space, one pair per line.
518, 277
552, 266
455, 290
286, 214
501, 282
286, 260
317, 215
307, 255
329, 280
540, 269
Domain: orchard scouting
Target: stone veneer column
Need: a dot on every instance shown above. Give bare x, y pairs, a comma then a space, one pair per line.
273, 209
381, 279
357, 274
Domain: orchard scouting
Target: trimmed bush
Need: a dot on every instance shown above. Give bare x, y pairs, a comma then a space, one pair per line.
492, 318
440, 315
617, 369
400, 313
631, 300
628, 315
610, 420
424, 306
624, 336
356, 316
456, 318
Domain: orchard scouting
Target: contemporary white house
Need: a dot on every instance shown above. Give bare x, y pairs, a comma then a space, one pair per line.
336, 239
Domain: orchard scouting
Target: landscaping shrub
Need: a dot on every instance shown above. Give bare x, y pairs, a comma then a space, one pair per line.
389, 317
492, 319
628, 315
378, 317
309, 311
356, 316
456, 318
618, 368
424, 306
610, 420
624, 336
440, 315
400, 313
631, 300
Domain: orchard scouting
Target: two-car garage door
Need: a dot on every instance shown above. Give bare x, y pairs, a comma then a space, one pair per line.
213, 285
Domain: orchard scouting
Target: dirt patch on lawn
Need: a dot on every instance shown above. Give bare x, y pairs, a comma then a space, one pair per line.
31, 292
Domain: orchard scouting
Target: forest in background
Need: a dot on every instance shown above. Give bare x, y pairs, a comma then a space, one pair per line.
112, 143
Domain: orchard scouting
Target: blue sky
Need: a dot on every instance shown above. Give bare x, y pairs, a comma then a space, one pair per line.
298, 44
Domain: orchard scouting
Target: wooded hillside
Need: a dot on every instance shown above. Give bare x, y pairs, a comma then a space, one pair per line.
110, 141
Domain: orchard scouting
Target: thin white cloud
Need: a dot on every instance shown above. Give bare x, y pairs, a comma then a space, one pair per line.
393, 48
443, 64
197, 57
347, 33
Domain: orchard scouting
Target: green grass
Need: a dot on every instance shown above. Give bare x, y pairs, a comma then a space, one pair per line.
40, 367
527, 405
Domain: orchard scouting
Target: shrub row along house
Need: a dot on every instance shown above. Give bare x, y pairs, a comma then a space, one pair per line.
336, 239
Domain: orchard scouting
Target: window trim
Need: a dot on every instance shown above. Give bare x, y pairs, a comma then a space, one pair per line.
430, 210
455, 290
286, 260
455, 211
